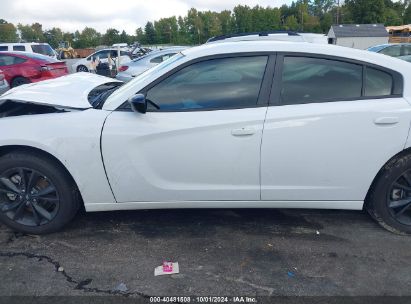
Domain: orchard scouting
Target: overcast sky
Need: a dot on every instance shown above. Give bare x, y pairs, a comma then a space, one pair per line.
71, 15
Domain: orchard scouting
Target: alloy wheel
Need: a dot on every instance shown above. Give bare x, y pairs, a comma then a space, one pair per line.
28, 197
399, 199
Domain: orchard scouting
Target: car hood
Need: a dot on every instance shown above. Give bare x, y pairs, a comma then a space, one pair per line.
69, 91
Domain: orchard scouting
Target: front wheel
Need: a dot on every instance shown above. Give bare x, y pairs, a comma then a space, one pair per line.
389, 200
36, 194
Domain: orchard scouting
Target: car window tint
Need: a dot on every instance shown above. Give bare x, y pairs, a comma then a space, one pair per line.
10, 60
157, 59
378, 83
20, 48
212, 84
406, 50
4, 48
393, 51
310, 80
101, 55
43, 49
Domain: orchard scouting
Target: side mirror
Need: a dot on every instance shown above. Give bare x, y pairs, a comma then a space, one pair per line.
138, 103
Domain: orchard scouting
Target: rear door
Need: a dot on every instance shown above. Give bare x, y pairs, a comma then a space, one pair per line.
331, 126
203, 144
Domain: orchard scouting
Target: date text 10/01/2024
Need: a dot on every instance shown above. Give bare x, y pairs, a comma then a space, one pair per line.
203, 299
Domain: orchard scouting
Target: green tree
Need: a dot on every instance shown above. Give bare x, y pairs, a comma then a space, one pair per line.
53, 36
291, 23
140, 36
8, 32
366, 11
111, 37
150, 33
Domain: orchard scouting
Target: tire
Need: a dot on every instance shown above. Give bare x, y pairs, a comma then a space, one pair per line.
51, 200
389, 195
18, 81
82, 68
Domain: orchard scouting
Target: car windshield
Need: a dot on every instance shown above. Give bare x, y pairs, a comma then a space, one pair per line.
43, 49
377, 48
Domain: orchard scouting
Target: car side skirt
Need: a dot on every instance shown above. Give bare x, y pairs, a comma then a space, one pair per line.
335, 205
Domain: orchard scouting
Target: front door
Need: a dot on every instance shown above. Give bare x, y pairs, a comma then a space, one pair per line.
203, 144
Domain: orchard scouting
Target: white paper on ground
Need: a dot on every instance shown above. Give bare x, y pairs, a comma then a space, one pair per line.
160, 270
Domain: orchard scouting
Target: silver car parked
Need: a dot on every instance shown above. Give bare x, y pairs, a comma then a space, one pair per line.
139, 65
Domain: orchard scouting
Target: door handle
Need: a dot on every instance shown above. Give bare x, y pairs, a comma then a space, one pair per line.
243, 132
386, 120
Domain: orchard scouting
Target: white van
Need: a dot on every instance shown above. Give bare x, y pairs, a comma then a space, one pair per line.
39, 48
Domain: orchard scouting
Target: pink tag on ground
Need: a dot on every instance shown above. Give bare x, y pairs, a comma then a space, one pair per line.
167, 266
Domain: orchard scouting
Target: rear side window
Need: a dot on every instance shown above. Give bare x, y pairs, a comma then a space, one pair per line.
406, 50
161, 58
19, 48
378, 83
393, 51
311, 80
211, 85
4, 48
6, 60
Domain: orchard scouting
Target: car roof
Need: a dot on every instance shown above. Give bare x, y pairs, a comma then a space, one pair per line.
23, 43
284, 46
27, 55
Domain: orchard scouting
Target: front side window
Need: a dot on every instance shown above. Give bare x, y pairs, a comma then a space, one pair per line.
19, 48
212, 84
312, 80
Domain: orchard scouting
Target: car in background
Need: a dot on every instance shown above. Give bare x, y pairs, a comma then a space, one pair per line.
85, 64
22, 67
38, 48
398, 50
4, 86
134, 68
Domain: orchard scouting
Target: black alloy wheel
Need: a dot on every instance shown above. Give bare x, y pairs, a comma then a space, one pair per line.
29, 197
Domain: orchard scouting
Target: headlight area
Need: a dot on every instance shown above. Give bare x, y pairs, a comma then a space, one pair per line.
10, 108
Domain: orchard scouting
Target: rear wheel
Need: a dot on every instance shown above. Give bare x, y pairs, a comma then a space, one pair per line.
82, 68
389, 201
36, 194
18, 81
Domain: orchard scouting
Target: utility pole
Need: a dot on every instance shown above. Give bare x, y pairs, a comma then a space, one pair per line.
338, 12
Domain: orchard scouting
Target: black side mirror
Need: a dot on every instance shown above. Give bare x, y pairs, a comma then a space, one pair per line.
138, 103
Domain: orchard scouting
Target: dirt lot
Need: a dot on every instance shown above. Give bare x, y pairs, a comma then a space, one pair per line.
220, 252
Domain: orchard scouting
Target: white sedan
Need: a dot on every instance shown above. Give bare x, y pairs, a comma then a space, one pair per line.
225, 125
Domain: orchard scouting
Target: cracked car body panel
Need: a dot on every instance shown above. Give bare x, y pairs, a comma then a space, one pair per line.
68, 91
73, 138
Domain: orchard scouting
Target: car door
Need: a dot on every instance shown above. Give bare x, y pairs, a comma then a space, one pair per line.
327, 134
203, 144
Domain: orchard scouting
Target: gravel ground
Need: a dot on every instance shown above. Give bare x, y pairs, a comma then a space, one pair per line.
220, 252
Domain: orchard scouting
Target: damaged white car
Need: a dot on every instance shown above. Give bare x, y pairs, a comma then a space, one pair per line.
225, 125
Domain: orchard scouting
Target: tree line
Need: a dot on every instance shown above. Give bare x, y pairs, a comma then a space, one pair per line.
197, 26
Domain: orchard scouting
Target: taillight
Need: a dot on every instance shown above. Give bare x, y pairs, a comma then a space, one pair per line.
123, 68
45, 68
